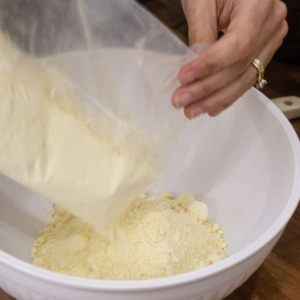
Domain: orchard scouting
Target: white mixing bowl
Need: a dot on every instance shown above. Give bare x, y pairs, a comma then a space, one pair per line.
245, 164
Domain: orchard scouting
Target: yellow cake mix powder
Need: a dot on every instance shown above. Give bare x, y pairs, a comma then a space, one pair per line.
157, 237
91, 167
58, 144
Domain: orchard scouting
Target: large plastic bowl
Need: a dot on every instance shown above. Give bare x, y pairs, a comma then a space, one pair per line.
244, 164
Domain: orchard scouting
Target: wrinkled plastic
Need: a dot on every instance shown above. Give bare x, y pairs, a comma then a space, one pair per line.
121, 63
151, 54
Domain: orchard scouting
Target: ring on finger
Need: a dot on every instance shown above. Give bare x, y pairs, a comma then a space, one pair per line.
260, 82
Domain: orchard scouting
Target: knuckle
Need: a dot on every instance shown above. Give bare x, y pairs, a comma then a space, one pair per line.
281, 34
285, 28
243, 46
280, 40
211, 67
212, 106
240, 67
207, 89
281, 10
248, 80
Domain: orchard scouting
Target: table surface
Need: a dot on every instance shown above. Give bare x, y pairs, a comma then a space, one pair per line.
278, 278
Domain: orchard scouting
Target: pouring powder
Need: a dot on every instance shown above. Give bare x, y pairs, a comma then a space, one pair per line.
158, 237
65, 148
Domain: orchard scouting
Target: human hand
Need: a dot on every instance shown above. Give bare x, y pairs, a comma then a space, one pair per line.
223, 71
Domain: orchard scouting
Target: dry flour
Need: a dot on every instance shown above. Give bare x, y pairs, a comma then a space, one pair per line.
61, 148
59, 145
158, 236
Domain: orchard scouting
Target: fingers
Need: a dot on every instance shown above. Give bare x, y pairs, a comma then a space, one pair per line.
234, 46
202, 88
222, 98
223, 72
241, 41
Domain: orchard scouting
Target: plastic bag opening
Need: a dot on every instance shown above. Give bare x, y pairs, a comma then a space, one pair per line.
87, 93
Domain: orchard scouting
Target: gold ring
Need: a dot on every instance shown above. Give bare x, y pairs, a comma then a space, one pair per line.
260, 81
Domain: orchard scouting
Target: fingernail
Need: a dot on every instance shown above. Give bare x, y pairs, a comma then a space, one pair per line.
188, 77
196, 111
182, 100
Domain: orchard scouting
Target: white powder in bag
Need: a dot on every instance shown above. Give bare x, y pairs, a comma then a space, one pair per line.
66, 150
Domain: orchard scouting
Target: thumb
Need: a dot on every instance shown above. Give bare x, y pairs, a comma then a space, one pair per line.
202, 19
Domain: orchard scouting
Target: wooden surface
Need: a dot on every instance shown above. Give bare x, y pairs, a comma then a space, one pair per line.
279, 276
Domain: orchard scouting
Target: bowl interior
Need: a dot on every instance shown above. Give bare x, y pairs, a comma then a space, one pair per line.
242, 164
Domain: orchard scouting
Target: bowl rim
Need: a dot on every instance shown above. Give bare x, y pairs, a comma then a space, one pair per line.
202, 274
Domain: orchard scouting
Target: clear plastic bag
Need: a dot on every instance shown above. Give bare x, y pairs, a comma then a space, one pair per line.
106, 67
